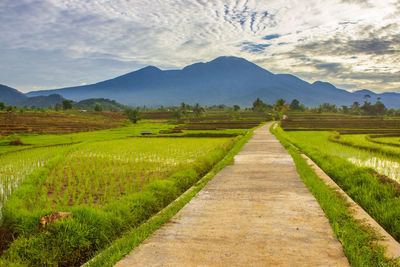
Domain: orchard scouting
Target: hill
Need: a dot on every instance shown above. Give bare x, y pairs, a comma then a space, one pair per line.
42, 101
106, 104
11, 96
227, 80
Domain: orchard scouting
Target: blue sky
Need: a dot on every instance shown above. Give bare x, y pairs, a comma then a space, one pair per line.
355, 44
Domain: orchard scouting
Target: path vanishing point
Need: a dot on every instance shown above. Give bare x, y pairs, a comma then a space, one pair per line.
257, 212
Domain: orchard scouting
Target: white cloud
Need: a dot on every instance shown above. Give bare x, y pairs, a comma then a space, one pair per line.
126, 34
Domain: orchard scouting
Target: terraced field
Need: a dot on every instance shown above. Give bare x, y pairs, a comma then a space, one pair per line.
55, 122
344, 124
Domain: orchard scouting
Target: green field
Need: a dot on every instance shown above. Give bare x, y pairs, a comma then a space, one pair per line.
367, 171
111, 181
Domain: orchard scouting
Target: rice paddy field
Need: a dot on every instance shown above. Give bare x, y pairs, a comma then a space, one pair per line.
362, 156
110, 180
98, 173
384, 159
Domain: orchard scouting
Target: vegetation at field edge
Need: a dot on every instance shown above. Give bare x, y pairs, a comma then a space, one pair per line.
135, 236
357, 240
109, 181
380, 199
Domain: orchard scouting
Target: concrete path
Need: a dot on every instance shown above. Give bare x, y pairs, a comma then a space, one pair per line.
257, 212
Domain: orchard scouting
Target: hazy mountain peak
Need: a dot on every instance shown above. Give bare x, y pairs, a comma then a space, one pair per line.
324, 84
150, 68
10, 95
224, 80
364, 92
230, 59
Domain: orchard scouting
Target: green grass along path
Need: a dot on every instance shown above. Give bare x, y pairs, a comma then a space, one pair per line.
257, 212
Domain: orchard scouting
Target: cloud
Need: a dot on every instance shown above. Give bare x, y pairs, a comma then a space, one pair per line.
379, 41
364, 3
330, 67
54, 43
253, 47
271, 36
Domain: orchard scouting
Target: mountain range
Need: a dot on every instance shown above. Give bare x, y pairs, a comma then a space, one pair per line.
11, 96
224, 80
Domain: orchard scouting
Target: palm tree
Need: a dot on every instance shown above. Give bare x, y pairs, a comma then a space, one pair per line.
197, 109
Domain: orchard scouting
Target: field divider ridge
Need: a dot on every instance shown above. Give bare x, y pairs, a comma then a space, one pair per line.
392, 246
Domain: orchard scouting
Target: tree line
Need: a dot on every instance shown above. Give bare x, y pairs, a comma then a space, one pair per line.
366, 108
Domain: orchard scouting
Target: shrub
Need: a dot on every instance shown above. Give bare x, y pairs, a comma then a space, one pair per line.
17, 142
184, 179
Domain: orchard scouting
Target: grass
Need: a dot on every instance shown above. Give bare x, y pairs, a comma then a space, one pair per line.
361, 141
391, 141
100, 172
358, 241
135, 236
36, 140
14, 167
353, 148
379, 198
110, 180
94, 227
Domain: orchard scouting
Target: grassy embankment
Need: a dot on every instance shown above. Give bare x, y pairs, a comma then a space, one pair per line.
366, 143
359, 242
385, 140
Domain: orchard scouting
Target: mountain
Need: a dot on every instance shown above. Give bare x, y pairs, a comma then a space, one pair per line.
224, 80
11, 96
42, 101
390, 99
106, 104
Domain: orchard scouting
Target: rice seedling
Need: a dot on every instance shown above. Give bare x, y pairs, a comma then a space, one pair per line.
14, 167
353, 148
100, 172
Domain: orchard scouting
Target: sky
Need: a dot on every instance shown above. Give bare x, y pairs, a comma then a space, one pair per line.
48, 44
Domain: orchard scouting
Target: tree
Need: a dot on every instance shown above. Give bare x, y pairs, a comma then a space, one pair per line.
326, 107
259, 105
295, 105
355, 108
236, 107
379, 108
10, 108
197, 109
98, 107
183, 107
2, 106
67, 104
58, 107
281, 105
177, 114
132, 114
